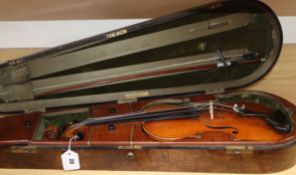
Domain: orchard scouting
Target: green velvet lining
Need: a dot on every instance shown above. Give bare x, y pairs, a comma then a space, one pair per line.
254, 37
257, 37
60, 120
258, 98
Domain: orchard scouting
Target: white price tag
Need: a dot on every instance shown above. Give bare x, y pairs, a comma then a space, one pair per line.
70, 160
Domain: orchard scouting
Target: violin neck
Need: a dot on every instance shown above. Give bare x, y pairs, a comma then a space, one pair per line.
184, 112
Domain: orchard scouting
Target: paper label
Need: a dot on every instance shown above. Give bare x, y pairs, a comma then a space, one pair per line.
70, 160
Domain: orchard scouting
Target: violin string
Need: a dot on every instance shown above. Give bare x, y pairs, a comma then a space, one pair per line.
193, 107
207, 104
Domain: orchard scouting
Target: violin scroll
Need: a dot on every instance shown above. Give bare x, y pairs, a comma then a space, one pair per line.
74, 130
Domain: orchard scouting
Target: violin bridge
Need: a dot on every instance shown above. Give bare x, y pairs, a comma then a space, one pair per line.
211, 110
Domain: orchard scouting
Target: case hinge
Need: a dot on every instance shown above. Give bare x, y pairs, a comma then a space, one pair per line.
132, 97
239, 149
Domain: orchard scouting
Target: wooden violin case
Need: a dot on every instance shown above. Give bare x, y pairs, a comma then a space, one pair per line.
162, 95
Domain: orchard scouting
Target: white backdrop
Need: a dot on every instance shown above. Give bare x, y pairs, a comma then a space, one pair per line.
41, 34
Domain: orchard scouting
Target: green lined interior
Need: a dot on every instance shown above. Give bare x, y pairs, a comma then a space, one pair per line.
60, 120
259, 28
257, 37
258, 98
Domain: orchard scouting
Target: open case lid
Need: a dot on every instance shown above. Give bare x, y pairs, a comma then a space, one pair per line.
208, 49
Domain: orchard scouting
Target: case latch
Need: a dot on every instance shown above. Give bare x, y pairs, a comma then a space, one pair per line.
239, 149
130, 147
24, 149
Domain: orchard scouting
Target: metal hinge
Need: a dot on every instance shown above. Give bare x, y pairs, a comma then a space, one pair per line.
24, 149
215, 6
239, 149
132, 97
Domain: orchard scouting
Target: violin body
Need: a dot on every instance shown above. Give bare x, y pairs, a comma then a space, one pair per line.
162, 95
233, 125
241, 128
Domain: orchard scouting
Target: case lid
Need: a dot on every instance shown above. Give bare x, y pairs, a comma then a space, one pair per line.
208, 49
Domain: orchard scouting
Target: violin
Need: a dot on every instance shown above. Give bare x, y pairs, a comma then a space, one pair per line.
170, 120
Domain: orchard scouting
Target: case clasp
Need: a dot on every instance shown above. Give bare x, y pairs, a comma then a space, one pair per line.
24, 149
239, 149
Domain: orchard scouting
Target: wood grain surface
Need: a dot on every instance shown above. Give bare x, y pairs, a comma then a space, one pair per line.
281, 81
291, 171
107, 9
